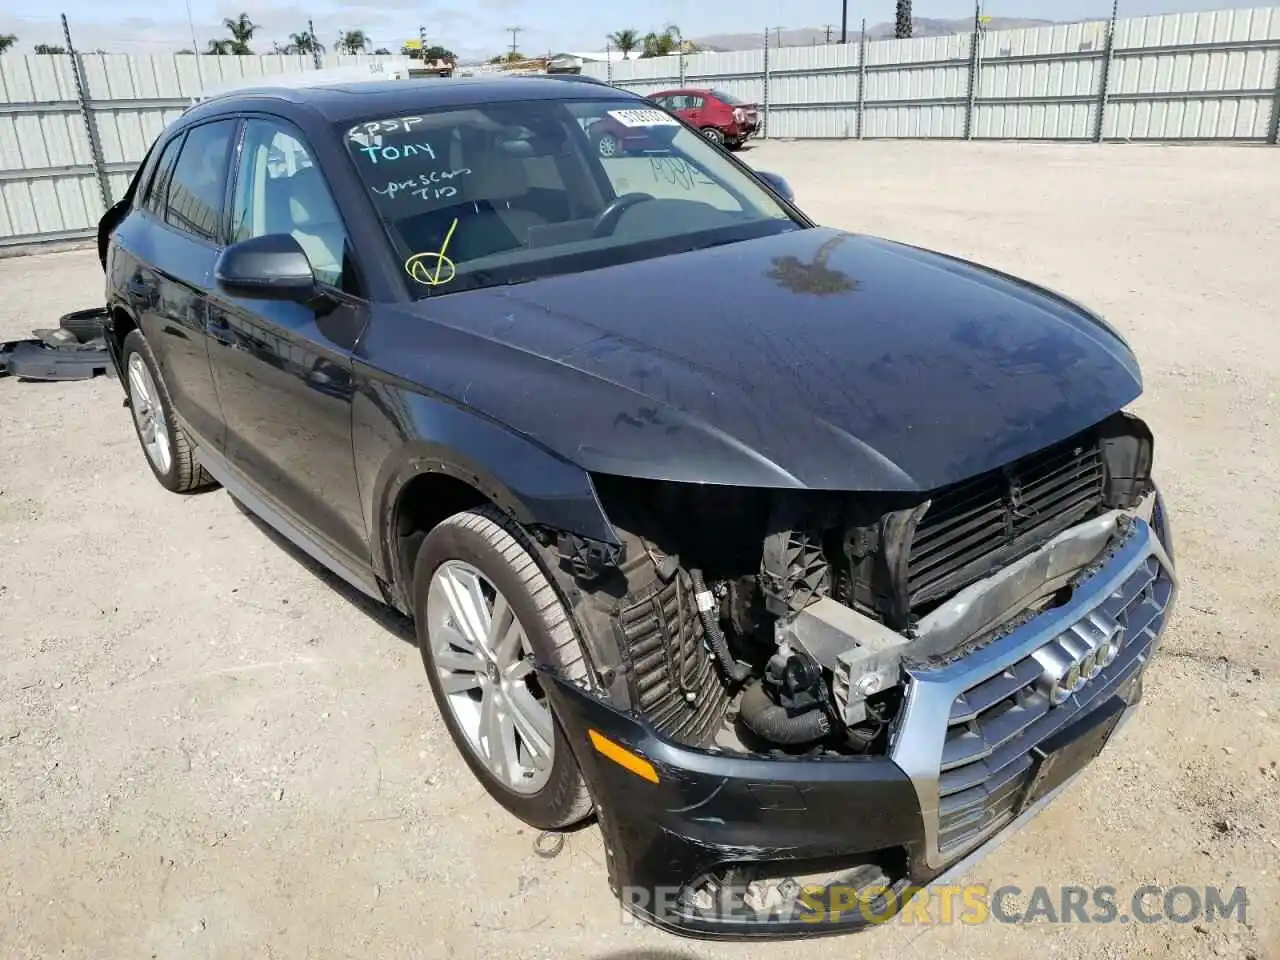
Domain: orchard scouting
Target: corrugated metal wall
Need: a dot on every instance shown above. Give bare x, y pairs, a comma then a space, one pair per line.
49, 188
1190, 76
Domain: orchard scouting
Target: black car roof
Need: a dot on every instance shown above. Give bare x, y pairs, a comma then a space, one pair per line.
341, 101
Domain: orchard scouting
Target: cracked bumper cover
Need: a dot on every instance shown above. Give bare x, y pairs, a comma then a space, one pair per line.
713, 809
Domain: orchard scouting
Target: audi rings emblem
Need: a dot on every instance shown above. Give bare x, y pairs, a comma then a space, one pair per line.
1079, 654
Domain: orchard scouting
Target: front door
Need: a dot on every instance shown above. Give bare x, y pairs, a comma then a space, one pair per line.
283, 369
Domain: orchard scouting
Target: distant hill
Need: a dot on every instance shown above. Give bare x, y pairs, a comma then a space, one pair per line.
921, 27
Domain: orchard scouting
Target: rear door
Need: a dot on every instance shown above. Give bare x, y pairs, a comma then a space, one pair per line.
689, 107
283, 369
174, 242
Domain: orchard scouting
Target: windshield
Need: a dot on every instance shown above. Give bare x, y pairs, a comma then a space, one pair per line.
507, 192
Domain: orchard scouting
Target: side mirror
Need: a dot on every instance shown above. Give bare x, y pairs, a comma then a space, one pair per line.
273, 267
779, 184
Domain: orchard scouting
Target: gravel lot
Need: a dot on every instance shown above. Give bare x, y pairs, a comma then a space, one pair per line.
207, 748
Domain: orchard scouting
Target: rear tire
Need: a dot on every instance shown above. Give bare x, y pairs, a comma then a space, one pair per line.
165, 445
714, 134
473, 567
608, 146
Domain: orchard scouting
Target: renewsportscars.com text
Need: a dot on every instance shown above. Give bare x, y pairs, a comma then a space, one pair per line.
973, 904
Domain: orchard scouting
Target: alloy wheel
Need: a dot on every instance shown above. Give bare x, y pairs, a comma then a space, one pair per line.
485, 665
148, 415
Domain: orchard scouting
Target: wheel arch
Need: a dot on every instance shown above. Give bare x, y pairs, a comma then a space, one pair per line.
424, 483
120, 320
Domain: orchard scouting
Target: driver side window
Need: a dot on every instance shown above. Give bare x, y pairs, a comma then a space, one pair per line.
280, 189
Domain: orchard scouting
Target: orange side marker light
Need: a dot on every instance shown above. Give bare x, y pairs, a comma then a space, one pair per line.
623, 757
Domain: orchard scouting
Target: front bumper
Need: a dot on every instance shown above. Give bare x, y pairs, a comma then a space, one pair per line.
961, 770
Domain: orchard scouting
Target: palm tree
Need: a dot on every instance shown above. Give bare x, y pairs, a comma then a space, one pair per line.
625, 40
7, 40
902, 28
242, 30
352, 41
816, 277
218, 48
304, 42
662, 44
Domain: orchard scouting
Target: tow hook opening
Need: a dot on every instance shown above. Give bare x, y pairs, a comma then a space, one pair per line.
850, 890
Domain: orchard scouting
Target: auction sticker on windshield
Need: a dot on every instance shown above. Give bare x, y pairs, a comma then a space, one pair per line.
644, 118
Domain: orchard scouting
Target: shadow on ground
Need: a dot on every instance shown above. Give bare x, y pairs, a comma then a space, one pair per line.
384, 616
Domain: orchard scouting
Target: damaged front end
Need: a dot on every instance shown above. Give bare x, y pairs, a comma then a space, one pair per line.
809, 701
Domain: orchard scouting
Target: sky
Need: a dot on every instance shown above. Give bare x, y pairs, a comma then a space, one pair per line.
474, 28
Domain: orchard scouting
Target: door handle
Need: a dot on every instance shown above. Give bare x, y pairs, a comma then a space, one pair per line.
140, 287
221, 331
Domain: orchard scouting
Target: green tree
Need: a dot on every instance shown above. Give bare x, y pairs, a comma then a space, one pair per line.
7, 40
382, 52
437, 52
352, 41
902, 25
625, 40
304, 42
49, 48
242, 30
218, 48
662, 44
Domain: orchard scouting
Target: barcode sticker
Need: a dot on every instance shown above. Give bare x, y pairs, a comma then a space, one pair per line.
644, 118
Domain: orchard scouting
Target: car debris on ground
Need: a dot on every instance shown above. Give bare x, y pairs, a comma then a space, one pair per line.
74, 350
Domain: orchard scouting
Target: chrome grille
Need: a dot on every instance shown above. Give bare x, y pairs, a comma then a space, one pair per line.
970, 528
986, 762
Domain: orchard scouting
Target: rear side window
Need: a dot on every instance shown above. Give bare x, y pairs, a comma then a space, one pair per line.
727, 98
158, 187
199, 183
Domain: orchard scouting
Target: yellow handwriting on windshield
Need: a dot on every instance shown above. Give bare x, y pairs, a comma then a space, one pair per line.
419, 266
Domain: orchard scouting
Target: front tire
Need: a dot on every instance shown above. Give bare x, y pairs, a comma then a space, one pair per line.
165, 444
484, 612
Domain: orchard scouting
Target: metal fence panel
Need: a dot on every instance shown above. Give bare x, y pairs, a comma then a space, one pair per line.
1195, 76
916, 88
1035, 121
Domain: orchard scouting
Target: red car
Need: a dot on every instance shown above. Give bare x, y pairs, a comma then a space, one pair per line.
720, 116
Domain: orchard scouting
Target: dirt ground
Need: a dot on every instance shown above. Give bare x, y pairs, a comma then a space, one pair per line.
209, 749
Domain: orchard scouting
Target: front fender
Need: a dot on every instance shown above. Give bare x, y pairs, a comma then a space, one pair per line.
399, 434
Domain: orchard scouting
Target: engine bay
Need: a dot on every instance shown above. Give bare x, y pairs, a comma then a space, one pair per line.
781, 622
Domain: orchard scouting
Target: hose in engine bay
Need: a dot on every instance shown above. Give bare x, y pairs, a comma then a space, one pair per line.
773, 722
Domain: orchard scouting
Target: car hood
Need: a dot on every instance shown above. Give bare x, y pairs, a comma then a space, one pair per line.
814, 358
